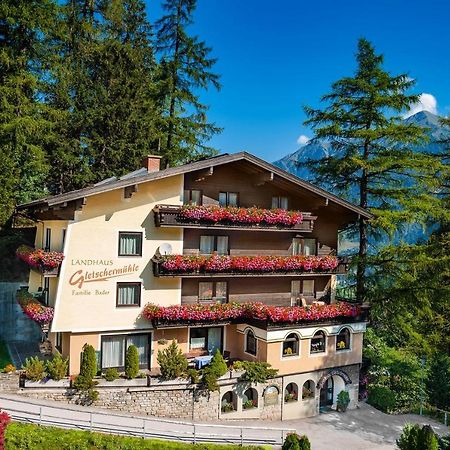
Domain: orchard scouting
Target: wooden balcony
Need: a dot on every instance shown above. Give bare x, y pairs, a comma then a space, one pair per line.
170, 216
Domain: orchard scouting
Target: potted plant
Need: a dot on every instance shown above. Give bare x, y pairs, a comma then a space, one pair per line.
343, 400
249, 404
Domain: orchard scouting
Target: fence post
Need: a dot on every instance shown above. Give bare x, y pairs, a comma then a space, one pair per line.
40, 415
90, 421
143, 428
242, 436
282, 436
195, 435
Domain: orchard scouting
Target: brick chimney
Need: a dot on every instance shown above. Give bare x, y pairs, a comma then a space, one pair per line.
152, 163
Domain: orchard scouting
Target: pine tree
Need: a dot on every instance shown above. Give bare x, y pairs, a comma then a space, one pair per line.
172, 362
132, 362
438, 383
371, 146
23, 126
185, 68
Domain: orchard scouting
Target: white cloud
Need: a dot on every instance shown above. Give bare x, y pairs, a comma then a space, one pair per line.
302, 139
427, 102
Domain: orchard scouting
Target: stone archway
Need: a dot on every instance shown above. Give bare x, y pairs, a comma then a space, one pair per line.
329, 385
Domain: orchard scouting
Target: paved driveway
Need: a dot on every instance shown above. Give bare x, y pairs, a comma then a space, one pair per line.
364, 428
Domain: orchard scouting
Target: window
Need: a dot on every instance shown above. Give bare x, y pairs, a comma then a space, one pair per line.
300, 289
228, 402
228, 198
128, 294
306, 247
48, 239
279, 202
210, 244
46, 291
209, 291
250, 343
295, 292
343, 340
291, 345
192, 197
130, 243
64, 231
318, 342
250, 399
308, 390
205, 339
114, 348
308, 288
58, 342
291, 393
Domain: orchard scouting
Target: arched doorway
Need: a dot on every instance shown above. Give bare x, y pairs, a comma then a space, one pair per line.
330, 385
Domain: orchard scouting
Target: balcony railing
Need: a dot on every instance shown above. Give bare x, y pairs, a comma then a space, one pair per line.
233, 218
46, 262
247, 266
261, 315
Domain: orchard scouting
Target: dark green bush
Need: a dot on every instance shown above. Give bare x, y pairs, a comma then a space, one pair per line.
218, 366
382, 398
414, 437
343, 400
295, 442
193, 375
34, 368
257, 371
172, 362
57, 367
34, 437
111, 374
88, 368
131, 362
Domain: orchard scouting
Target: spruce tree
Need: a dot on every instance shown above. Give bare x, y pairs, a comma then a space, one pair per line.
372, 153
185, 69
24, 129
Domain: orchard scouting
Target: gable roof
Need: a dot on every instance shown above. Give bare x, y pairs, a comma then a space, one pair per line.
142, 176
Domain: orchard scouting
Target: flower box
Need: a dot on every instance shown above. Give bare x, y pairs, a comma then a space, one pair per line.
33, 308
171, 265
245, 312
46, 262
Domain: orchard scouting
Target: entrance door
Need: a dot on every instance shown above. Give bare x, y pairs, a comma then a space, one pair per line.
326, 395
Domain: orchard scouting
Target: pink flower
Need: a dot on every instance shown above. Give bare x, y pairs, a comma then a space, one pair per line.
39, 258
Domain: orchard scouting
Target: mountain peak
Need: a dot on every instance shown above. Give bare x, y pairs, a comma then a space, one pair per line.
424, 118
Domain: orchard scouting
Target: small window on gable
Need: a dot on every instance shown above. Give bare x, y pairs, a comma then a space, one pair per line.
280, 202
192, 197
130, 243
250, 342
48, 239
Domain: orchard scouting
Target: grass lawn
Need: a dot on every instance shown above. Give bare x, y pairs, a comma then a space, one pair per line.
4, 356
26, 436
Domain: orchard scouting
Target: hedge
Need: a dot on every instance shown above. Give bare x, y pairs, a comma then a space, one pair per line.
34, 437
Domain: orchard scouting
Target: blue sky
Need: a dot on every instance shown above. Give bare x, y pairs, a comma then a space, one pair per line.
275, 56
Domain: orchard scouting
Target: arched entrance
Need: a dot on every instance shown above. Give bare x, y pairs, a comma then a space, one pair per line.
330, 385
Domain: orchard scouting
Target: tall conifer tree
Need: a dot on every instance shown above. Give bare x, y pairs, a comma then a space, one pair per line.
23, 127
372, 154
185, 68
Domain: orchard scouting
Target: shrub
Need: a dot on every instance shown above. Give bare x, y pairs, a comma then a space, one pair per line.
132, 362
88, 368
172, 362
85, 386
257, 371
57, 367
209, 381
9, 368
295, 442
444, 442
111, 374
34, 368
4, 421
343, 400
438, 383
415, 438
193, 376
382, 398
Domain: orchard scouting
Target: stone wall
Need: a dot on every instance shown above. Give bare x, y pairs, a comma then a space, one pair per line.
9, 382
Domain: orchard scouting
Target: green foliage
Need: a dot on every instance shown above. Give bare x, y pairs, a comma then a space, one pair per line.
5, 359
414, 437
88, 367
397, 370
172, 362
256, 371
295, 442
111, 374
444, 442
34, 368
382, 398
132, 362
438, 382
193, 376
21, 436
57, 367
218, 366
184, 71
343, 400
